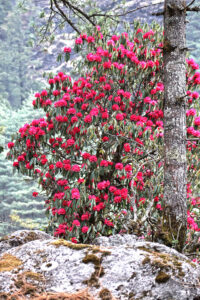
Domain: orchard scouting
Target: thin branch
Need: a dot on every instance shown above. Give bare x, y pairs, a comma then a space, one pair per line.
78, 10
65, 17
47, 26
190, 4
159, 13
195, 8
125, 13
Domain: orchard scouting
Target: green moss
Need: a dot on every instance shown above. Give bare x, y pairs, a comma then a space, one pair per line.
162, 277
146, 249
91, 258
70, 245
19, 283
97, 249
9, 262
131, 295
181, 273
33, 275
160, 264
93, 281
98, 269
146, 260
93, 248
31, 236
164, 261
105, 294
169, 233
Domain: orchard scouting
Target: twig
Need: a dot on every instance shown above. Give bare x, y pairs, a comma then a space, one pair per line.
78, 10
195, 8
190, 4
65, 17
159, 13
127, 12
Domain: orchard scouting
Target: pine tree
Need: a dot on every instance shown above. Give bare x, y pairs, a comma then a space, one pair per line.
18, 207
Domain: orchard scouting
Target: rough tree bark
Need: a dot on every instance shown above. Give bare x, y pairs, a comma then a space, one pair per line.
175, 167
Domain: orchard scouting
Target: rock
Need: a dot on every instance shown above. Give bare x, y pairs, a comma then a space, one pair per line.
21, 237
119, 267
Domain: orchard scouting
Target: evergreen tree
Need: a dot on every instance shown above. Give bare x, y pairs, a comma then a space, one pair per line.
15, 56
18, 207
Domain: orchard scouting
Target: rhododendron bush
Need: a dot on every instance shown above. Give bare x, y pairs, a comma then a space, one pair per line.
98, 151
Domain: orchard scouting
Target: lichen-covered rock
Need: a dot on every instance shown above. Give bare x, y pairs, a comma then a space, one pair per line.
21, 237
122, 267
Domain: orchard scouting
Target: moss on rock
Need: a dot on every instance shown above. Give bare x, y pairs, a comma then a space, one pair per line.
62, 242
9, 262
162, 277
105, 294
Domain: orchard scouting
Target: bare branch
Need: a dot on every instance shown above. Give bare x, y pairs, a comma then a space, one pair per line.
159, 13
190, 4
125, 13
75, 8
65, 17
195, 8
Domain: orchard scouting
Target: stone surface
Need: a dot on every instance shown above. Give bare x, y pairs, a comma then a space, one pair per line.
21, 237
122, 267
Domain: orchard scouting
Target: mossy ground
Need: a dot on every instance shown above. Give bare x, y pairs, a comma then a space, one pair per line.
162, 277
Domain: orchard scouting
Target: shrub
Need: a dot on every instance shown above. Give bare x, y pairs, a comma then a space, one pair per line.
98, 151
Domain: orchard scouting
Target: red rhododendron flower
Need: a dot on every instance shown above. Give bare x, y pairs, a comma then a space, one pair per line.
10, 145
59, 164
86, 155
104, 163
61, 211
76, 223
79, 41
67, 50
108, 223
75, 168
93, 158
84, 229
127, 147
107, 65
88, 119
119, 166
75, 194
128, 168
119, 117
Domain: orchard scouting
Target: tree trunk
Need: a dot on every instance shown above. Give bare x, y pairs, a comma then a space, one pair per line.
175, 166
